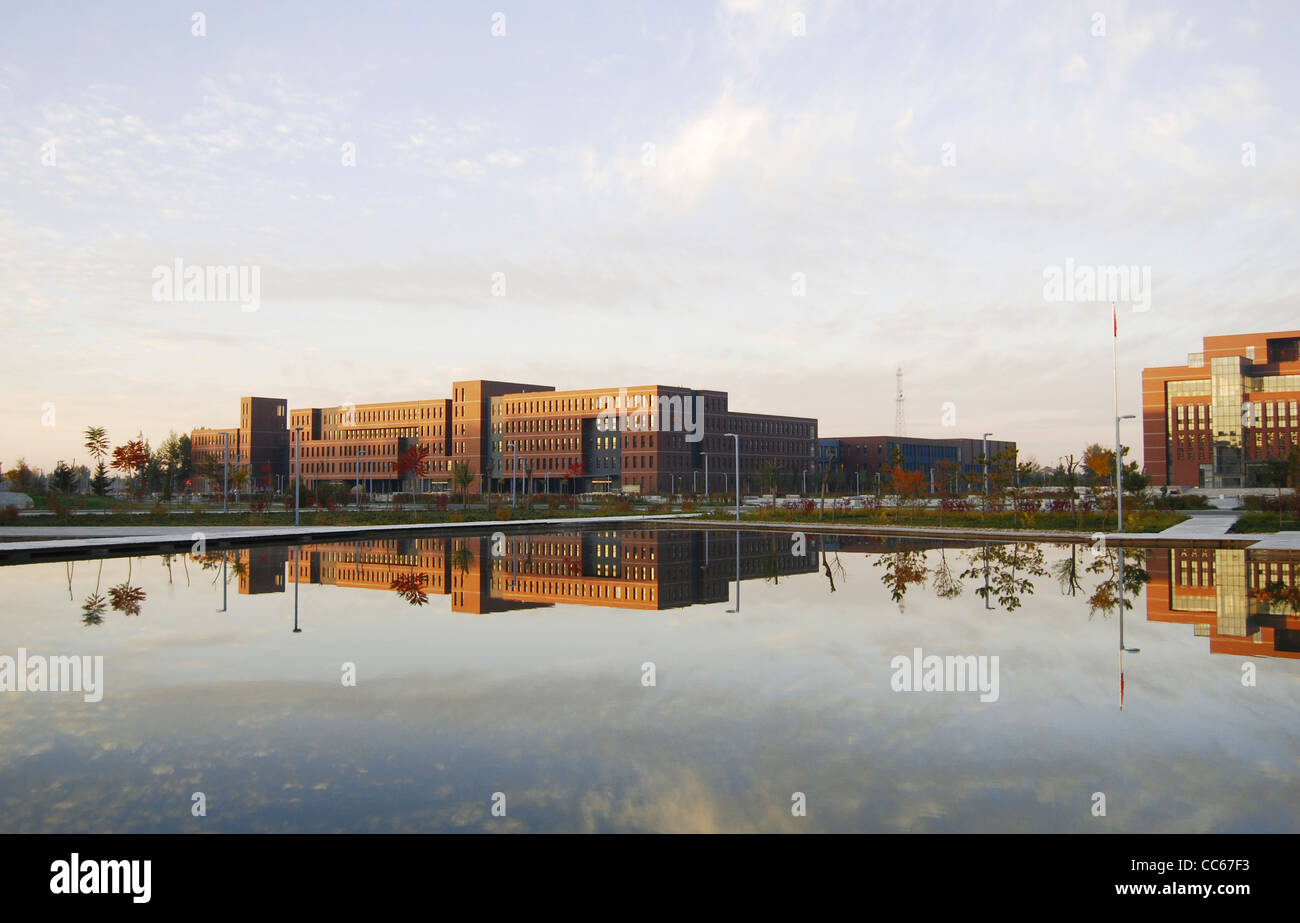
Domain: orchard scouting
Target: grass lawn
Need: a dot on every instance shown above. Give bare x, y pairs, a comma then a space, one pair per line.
1266, 522
1134, 521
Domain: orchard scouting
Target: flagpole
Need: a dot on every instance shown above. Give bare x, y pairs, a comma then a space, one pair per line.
1119, 460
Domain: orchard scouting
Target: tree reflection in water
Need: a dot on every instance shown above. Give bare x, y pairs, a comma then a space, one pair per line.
1107, 596
902, 569
410, 587
947, 585
1009, 571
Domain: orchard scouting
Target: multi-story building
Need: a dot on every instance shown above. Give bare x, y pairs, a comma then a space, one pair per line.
648, 439
257, 445
1214, 421
863, 457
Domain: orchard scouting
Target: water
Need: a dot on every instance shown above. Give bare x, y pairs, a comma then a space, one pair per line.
505, 681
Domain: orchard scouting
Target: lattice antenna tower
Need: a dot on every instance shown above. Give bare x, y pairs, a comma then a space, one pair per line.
900, 421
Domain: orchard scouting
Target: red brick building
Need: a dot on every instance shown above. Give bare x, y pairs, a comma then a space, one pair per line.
1214, 421
650, 439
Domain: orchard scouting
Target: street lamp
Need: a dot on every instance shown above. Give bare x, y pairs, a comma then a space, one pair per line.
225, 469
706, 476
986, 467
297, 474
514, 469
737, 441
356, 470
1119, 474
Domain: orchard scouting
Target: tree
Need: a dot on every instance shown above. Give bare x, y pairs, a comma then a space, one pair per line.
1100, 462
99, 484
170, 457
97, 445
96, 442
63, 479
461, 478
411, 463
906, 485
211, 468
22, 478
1276, 473
767, 475
131, 457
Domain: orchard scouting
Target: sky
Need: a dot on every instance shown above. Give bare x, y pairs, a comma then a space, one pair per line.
786, 201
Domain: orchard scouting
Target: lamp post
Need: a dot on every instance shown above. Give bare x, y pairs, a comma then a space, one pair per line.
514, 470
1119, 478
297, 476
357, 471
986, 466
736, 438
225, 470
706, 476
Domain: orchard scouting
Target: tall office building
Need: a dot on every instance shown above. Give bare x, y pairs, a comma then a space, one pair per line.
1214, 421
647, 439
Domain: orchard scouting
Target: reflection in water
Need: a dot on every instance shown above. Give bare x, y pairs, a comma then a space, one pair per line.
1244, 601
1237, 598
793, 696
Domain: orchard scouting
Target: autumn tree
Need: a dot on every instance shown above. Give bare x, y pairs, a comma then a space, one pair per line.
131, 457
97, 445
411, 463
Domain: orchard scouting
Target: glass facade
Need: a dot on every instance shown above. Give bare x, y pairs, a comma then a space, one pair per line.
1226, 411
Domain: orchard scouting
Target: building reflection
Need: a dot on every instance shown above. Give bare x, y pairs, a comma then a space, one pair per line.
621, 569
1228, 595
1223, 593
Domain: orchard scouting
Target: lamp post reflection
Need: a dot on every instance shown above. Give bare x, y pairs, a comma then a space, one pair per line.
737, 609
296, 572
986, 576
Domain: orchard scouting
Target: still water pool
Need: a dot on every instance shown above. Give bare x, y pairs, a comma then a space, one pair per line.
627, 680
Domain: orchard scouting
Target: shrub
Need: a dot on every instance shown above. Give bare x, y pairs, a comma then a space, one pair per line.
1197, 502
8, 513
57, 505
623, 506
158, 509
441, 502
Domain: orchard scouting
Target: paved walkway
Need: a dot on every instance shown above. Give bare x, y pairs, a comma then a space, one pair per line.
1210, 526
1202, 525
